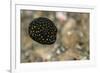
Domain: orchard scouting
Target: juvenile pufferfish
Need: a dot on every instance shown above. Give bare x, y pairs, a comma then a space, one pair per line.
43, 31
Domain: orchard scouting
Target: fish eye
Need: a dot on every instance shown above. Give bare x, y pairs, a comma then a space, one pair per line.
42, 27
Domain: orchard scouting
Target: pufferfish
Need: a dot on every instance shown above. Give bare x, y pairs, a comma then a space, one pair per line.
43, 31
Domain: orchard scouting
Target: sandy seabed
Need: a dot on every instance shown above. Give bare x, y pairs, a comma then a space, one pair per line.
72, 41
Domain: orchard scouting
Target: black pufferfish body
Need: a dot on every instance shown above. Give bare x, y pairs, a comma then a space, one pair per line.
43, 31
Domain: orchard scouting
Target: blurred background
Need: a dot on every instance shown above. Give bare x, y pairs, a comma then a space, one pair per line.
72, 37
